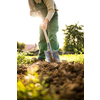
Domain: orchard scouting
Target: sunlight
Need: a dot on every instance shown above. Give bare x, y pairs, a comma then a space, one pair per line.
38, 20
31, 31
34, 29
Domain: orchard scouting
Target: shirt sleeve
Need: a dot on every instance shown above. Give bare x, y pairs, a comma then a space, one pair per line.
50, 7
32, 8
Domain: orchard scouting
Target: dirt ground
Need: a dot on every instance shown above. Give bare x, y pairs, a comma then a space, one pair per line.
65, 78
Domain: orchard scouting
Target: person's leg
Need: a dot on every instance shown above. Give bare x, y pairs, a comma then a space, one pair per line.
52, 31
42, 43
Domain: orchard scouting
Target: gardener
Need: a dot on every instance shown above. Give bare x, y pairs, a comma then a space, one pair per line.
48, 11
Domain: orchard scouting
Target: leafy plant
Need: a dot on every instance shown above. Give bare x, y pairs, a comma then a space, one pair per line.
23, 60
20, 46
74, 38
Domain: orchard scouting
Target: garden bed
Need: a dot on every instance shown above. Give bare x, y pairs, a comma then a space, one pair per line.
64, 79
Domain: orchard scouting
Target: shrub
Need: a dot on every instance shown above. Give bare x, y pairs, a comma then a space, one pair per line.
74, 38
22, 60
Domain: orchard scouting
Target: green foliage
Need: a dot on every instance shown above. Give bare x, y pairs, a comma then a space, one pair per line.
74, 38
20, 46
23, 60
29, 54
28, 87
48, 73
60, 49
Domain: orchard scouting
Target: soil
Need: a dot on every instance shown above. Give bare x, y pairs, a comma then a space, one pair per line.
21, 72
51, 58
66, 79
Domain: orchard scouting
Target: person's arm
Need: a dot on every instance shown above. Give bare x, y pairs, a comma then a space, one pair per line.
33, 13
50, 7
32, 7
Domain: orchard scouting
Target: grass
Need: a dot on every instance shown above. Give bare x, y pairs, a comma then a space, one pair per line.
73, 57
69, 57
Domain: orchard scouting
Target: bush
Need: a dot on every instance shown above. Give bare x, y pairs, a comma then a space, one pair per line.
22, 60
20, 46
29, 53
74, 38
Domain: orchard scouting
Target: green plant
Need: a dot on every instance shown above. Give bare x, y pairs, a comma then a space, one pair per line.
22, 59
74, 38
20, 46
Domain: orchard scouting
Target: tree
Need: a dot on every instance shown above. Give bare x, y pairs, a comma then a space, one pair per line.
20, 46
74, 38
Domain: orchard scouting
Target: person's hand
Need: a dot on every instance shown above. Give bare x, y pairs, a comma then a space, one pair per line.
44, 24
